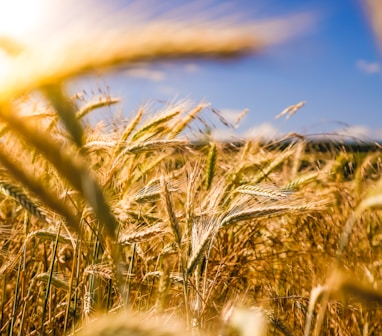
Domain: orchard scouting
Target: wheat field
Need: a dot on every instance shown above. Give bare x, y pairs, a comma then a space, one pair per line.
147, 225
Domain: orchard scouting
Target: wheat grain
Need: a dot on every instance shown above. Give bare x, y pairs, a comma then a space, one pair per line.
49, 235
185, 121
97, 103
202, 233
101, 270
155, 124
90, 145
237, 215
152, 191
273, 165
132, 125
301, 181
174, 225
263, 190
154, 145
25, 202
140, 236
210, 167
55, 281
87, 304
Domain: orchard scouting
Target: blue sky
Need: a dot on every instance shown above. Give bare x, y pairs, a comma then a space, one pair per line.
335, 67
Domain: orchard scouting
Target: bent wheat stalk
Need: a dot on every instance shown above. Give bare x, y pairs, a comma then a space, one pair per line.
34, 185
48, 64
74, 169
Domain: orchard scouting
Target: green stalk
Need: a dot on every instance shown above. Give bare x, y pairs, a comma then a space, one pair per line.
15, 300
49, 282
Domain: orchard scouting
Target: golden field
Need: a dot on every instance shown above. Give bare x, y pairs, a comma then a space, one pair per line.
147, 225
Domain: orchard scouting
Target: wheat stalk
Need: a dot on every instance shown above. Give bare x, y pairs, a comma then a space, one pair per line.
48, 64
163, 288
66, 110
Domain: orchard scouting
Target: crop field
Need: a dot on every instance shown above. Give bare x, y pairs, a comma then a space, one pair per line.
146, 225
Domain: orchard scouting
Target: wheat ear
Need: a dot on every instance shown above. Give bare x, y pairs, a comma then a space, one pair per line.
96, 104
24, 200
262, 190
185, 121
272, 166
55, 280
154, 124
265, 211
300, 181
154, 145
140, 236
211, 165
175, 228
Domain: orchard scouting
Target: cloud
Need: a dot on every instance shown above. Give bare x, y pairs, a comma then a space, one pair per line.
360, 132
267, 131
369, 67
230, 115
356, 131
167, 90
378, 134
233, 116
146, 73
264, 131
191, 68
220, 134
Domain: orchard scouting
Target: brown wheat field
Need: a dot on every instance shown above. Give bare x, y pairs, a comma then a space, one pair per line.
147, 226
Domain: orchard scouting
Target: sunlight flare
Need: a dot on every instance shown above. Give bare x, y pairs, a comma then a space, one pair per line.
18, 17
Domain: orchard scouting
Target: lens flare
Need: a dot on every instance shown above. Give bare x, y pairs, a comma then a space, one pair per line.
19, 17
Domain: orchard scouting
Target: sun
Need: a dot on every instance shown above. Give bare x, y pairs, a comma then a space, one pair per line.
19, 17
